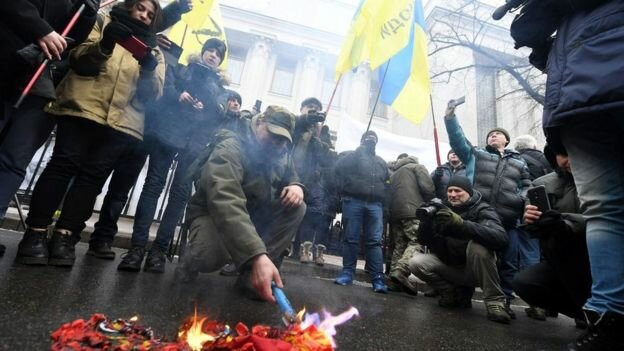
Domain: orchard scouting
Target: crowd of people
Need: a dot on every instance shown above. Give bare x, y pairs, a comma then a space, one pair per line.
269, 184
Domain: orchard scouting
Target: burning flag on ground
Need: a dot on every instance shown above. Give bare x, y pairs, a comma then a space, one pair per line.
99, 333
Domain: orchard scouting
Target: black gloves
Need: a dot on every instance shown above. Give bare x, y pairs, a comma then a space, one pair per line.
115, 31
445, 220
91, 7
438, 173
149, 62
550, 222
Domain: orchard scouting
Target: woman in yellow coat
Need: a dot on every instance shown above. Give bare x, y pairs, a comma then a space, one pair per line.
100, 110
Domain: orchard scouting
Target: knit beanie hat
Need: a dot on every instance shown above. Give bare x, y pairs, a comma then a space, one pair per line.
461, 182
312, 101
500, 130
214, 43
449, 153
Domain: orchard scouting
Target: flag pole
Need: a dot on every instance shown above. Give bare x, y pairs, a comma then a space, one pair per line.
435, 133
383, 79
331, 98
329, 104
45, 62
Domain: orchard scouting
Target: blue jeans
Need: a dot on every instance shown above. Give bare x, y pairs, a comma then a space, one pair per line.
160, 159
367, 217
24, 131
596, 156
521, 253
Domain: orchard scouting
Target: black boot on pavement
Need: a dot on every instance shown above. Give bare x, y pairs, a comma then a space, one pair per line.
2, 250
62, 250
402, 280
509, 311
603, 334
101, 250
155, 261
131, 261
33, 248
496, 312
535, 313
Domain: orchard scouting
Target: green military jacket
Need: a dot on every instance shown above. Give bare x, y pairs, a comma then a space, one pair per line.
235, 184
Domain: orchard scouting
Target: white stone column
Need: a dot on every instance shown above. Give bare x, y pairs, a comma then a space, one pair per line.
311, 78
356, 104
256, 71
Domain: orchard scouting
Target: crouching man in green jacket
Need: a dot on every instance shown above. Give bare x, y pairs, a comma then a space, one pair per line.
248, 203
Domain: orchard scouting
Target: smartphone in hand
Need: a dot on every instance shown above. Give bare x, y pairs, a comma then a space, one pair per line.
539, 198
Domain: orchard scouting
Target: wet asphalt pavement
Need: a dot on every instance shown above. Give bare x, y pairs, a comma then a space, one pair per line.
34, 301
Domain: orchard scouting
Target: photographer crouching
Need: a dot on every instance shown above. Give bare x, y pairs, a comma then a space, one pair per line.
463, 232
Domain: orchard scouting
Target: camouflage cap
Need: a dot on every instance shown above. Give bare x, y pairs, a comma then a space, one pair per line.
280, 121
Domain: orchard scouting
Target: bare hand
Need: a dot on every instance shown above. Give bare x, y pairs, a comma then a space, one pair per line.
187, 5
198, 105
531, 214
186, 98
52, 45
263, 272
163, 41
450, 111
292, 196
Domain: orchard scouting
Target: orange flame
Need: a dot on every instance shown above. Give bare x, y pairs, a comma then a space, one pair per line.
194, 336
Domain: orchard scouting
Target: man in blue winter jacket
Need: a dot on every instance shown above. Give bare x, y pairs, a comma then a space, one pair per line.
502, 177
584, 116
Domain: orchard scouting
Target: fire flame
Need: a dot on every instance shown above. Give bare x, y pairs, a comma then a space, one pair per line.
194, 336
329, 322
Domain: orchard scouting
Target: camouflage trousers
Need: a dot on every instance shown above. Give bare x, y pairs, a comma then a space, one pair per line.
405, 245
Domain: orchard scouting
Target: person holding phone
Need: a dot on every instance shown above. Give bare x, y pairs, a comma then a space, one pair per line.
562, 281
100, 109
179, 127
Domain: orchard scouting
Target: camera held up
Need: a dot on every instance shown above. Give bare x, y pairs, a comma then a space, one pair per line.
428, 210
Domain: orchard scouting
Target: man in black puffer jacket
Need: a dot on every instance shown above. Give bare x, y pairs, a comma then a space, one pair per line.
362, 179
462, 235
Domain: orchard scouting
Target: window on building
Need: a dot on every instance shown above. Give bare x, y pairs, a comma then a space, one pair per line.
328, 89
236, 64
381, 110
283, 77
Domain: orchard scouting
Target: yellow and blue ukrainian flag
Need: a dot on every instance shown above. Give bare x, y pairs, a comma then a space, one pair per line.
391, 36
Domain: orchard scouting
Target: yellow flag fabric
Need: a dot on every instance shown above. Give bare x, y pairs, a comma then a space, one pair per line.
197, 26
380, 29
406, 86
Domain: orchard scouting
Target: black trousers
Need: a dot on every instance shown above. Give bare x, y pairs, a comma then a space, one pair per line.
562, 282
22, 132
125, 174
86, 152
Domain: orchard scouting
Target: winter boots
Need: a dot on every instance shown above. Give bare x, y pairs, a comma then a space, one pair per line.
318, 258
496, 312
305, 252
33, 248
603, 334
